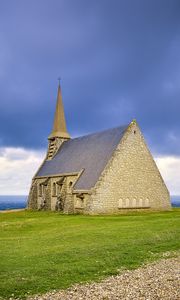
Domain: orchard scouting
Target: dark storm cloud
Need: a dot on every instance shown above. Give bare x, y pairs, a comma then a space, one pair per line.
119, 60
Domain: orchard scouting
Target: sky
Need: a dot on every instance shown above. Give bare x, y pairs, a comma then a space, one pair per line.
118, 60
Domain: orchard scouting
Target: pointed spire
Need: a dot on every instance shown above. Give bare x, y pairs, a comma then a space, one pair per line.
59, 127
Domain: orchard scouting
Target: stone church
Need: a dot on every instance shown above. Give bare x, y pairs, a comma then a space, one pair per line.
101, 173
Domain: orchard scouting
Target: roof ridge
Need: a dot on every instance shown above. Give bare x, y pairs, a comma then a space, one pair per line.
101, 131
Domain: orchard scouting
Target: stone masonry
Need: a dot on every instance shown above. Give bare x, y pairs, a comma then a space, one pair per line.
131, 180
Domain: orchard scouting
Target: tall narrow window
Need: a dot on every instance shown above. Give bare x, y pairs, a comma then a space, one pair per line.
54, 189
40, 190
147, 202
140, 202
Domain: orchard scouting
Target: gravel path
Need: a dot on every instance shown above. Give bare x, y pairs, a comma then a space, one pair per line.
159, 280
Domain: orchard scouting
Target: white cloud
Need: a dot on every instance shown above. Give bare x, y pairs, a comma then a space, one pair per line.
169, 167
17, 167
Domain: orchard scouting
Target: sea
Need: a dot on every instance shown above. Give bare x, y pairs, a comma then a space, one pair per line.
18, 202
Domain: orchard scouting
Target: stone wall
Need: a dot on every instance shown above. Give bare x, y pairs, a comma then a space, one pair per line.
44, 195
32, 198
40, 196
82, 203
64, 191
131, 180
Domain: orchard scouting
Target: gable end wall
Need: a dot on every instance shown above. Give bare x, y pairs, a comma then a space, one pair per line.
131, 177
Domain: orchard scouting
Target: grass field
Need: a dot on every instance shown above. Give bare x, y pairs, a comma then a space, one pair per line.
41, 251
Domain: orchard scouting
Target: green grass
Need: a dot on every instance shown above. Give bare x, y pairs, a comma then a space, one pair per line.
41, 251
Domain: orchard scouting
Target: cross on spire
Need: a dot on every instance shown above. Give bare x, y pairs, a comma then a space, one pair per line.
59, 79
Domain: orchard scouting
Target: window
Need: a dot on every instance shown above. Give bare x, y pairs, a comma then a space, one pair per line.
127, 202
70, 185
147, 202
133, 203
40, 190
140, 202
54, 189
79, 203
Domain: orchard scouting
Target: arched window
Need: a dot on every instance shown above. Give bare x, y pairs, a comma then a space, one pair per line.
140, 202
147, 202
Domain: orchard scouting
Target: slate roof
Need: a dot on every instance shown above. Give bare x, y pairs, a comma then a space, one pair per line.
91, 153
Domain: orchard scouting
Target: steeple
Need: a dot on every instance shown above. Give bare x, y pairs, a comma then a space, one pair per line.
59, 127
59, 132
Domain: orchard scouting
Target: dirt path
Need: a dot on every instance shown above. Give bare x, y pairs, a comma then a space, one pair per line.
159, 280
